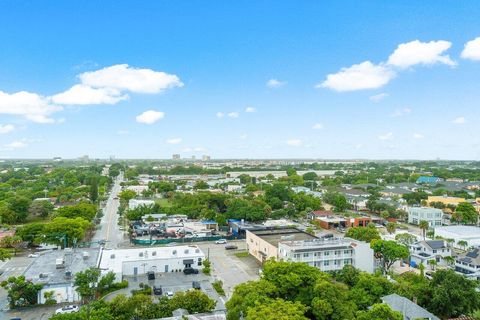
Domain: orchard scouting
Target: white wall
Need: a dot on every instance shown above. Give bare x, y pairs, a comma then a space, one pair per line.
61, 294
364, 259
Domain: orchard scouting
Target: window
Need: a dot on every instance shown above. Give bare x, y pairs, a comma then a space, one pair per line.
186, 251
305, 255
154, 253
296, 256
346, 261
346, 252
326, 263
326, 253
338, 252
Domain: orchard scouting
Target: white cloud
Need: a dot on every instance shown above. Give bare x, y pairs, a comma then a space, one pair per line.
15, 145
294, 142
401, 112
150, 116
243, 136
233, 115
386, 136
123, 132
81, 94
418, 136
459, 120
472, 50
361, 76
29, 105
378, 97
199, 149
250, 110
416, 52
275, 83
317, 126
6, 128
124, 77
174, 140
220, 114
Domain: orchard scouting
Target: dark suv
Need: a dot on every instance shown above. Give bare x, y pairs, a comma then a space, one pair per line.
196, 285
190, 271
157, 291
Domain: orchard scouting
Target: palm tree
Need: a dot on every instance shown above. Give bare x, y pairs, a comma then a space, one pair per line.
449, 260
463, 244
424, 226
450, 242
421, 267
432, 263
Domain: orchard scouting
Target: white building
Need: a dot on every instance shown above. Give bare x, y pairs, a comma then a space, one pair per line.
329, 254
470, 234
424, 251
62, 292
135, 203
432, 215
132, 262
138, 189
468, 264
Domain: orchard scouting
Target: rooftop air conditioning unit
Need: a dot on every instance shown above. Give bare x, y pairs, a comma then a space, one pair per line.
174, 252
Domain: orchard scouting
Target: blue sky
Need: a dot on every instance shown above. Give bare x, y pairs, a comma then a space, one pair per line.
243, 79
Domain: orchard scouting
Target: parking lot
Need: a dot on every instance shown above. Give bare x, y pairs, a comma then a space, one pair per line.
227, 267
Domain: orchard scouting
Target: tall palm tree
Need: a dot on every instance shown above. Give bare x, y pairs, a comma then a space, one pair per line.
449, 260
432, 263
424, 226
463, 244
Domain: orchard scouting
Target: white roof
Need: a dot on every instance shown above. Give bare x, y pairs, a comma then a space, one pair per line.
463, 231
112, 259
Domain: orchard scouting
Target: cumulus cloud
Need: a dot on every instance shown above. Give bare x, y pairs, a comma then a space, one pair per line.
459, 120
220, 114
417, 52
81, 94
29, 105
150, 116
401, 112
472, 50
250, 110
124, 77
378, 97
294, 142
17, 144
317, 126
365, 75
233, 115
275, 83
386, 136
6, 128
174, 140
418, 136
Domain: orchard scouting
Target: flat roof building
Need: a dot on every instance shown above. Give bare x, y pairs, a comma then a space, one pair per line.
470, 234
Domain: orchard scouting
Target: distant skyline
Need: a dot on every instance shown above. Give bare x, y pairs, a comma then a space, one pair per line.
270, 79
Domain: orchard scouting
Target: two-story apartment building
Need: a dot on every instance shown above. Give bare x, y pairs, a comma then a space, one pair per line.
468, 264
431, 215
424, 251
329, 254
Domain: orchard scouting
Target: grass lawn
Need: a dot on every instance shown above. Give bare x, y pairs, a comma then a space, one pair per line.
242, 254
164, 203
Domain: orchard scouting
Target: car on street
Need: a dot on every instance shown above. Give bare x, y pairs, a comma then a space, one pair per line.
196, 285
68, 309
169, 294
190, 271
221, 241
115, 198
231, 247
33, 255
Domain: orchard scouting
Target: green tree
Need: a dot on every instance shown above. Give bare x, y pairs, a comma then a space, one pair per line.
21, 293
367, 234
331, 301
40, 208
86, 283
452, 295
12, 242
83, 210
201, 185
389, 252
278, 309
194, 301
127, 195
5, 254
467, 213
423, 224
64, 230
379, 312
391, 227
369, 289
406, 238
93, 189
248, 294
463, 244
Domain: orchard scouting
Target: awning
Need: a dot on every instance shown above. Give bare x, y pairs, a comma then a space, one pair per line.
188, 261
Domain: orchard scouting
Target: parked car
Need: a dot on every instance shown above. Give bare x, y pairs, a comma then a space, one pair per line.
157, 291
190, 271
33, 255
231, 247
151, 275
67, 309
169, 294
221, 241
196, 285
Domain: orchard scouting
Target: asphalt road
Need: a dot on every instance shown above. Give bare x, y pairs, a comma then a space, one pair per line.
108, 229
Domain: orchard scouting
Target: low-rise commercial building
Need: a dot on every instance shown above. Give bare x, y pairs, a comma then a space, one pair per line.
135, 203
263, 244
133, 262
469, 234
431, 215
